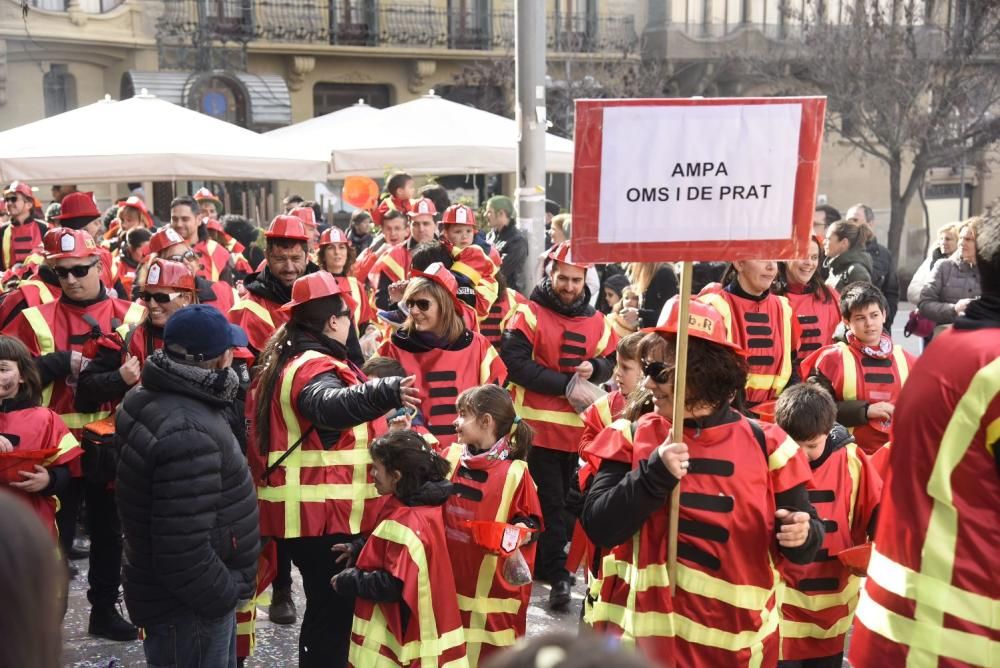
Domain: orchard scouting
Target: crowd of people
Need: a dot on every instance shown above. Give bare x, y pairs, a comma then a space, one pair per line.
391, 409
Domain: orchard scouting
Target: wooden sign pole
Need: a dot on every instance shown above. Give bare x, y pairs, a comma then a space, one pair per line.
677, 431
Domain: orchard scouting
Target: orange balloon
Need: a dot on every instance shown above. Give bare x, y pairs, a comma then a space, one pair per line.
360, 191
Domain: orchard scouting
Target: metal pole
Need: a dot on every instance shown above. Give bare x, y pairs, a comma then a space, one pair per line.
961, 187
529, 65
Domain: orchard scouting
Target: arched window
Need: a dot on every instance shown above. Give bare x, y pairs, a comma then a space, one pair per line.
59, 88
221, 97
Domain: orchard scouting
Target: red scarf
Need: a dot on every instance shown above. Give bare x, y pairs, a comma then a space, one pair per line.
882, 352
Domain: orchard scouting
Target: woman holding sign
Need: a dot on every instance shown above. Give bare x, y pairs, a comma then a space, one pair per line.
743, 501
761, 323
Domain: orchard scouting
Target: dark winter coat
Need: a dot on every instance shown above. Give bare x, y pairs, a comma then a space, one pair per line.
512, 246
851, 266
884, 276
185, 497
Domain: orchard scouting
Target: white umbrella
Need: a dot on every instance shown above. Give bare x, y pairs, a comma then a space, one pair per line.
145, 138
317, 137
431, 135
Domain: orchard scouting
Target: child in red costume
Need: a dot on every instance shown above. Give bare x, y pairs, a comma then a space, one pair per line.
406, 611
866, 374
491, 484
819, 597
27, 427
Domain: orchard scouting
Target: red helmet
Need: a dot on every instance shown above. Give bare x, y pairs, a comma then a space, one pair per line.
333, 235
305, 214
19, 188
459, 214
704, 322
441, 275
422, 207
562, 253
136, 203
214, 225
164, 238
287, 227
166, 274
206, 195
63, 242
78, 205
317, 285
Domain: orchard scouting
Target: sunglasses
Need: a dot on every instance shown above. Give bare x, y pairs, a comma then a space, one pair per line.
419, 304
159, 297
658, 371
79, 271
189, 256
10, 200
343, 314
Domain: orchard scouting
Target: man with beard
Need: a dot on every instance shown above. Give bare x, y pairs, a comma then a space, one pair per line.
553, 338
24, 232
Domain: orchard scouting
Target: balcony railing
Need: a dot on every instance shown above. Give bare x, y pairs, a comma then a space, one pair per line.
87, 6
374, 24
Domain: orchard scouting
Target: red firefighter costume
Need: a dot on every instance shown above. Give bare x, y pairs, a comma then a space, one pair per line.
856, 376
409, 544
258, 317
817, 319
724, 610
494, 613
818, 599
213, 258
501, 312
393, 263
389, 203
315, 491
932, 589
767, 330
18, 241
472, 262
33, 429
561, 343
28, 293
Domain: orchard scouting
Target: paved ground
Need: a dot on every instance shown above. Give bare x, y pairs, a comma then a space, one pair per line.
277, 645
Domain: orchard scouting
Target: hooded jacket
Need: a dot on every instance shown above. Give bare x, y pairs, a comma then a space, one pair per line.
851, 266
186, 501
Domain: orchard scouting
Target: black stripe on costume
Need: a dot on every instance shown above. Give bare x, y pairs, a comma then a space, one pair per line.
830, 526
438, 376
875, 362
466, 492
822, 496
880, 378
760, 343
80, 338
811, 332
704, 530
757, 317
711, 502
809, 347
441, 429
573, 336
473, 474
444, 409
573, 350
438, 392
697, 556
760, 360
759, 330
818, 584
823, 556
808, 319
719, 467
570, 361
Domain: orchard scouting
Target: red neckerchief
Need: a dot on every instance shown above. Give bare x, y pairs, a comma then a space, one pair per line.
500, 451
882, 352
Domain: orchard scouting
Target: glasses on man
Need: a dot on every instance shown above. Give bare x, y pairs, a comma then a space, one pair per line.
159, 297
658, 371
79, 271
189, 256
419, 304
10, 200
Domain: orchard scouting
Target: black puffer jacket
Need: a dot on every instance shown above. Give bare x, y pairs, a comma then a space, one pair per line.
187, 504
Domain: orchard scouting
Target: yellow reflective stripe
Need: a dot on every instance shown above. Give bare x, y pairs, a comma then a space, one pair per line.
901, 366
210, 247
992, 435
318, 458
854, 470
818, 602
359, 478
485, 367
81, 420
43, 333
529, 316
790, 629
44, 292
135, 314
474, 638
467, 271
482, 604
907, 583
377, 635
255, 308
603, 407
761, 381
390, 263
850, 389
690, 580
602, 343
782, 455
291, 491
66, 443
786, 348
926, 640
8, 256
722, 306
555, 417
624, 427
938, 553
